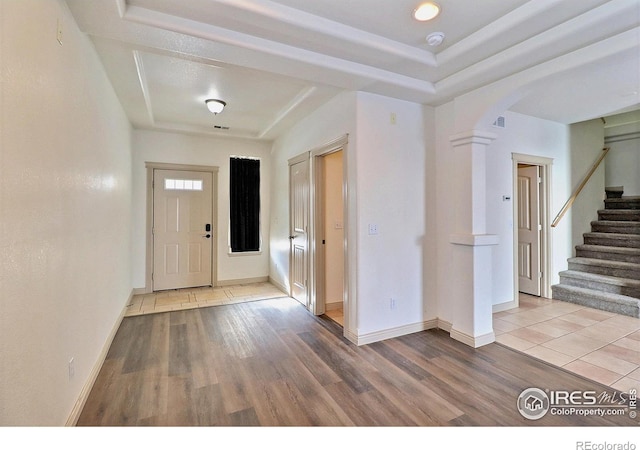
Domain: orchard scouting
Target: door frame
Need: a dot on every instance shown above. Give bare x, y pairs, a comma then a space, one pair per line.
545, 165
315, 256
151, 166
530, 234
318, 299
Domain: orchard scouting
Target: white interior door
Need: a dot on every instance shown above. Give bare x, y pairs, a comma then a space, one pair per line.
529, 228
182, 229
299, 228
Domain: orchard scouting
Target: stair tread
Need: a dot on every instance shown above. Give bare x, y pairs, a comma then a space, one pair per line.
604, 262
617, 298
609, 248
602, 278
618, 211
617, 222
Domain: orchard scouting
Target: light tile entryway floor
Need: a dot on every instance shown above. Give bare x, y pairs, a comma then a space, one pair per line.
598, 345
179, 299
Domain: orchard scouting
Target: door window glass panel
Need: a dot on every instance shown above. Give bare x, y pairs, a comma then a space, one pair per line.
182, 185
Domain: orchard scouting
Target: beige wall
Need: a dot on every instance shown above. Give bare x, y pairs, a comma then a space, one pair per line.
586, 143
334, 228
65, 205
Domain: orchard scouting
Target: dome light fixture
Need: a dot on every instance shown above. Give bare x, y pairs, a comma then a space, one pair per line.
215, 106
426, 11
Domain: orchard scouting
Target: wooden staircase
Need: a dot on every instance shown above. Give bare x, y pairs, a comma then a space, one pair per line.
605, 274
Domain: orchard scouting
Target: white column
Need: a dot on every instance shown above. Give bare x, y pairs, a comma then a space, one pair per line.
471, 250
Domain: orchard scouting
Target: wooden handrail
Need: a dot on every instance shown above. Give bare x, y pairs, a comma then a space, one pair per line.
572, 199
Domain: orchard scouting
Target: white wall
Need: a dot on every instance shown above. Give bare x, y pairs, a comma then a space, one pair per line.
164, 147
523, 134
334, 119
391, 189
443, 210
65, 189
386, 172
536, 137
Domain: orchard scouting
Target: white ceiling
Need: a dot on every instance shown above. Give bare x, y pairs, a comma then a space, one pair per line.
275, 61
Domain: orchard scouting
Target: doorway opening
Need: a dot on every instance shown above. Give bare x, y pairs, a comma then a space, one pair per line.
319, 256
531, 225
330, 253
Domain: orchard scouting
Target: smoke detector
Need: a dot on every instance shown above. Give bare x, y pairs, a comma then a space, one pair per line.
435, 39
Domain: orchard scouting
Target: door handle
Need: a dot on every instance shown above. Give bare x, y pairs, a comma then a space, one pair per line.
206, 236
292, 237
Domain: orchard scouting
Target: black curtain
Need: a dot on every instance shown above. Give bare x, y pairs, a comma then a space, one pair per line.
245, 204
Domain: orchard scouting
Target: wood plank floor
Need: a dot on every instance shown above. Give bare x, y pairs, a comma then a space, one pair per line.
271, 363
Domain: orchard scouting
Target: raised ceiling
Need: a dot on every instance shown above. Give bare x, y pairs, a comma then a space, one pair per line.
274, 62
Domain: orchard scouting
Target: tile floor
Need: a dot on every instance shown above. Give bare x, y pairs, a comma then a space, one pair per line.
203, 297
598, 345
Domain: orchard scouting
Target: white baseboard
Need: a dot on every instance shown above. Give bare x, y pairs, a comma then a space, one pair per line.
389, 333
444, 325
140, 291
72, 420
473, 341
504, 306
279, 285
242, 281
332, 306
351, 337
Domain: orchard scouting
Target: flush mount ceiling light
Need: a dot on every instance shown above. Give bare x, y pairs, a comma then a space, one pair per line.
215, 106
435, 39
426, 11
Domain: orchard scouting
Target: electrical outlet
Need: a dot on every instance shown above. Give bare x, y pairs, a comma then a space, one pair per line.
373, 228
72, 369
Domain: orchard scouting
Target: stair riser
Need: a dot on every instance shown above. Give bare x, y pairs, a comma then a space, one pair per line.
560, 294
621, 204
611, 242
621, 228
601, 286
607, 256
627, 216
634, 274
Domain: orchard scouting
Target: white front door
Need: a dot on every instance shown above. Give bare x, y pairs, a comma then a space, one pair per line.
299, 225
182, 229
529, 227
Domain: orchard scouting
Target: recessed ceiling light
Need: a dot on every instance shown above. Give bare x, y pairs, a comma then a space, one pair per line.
426, 11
